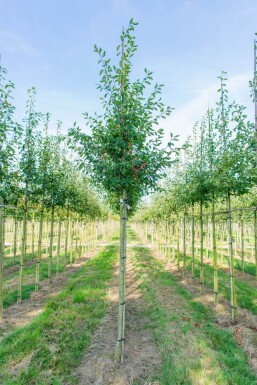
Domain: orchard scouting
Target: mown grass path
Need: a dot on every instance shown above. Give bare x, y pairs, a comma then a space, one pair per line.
194, 350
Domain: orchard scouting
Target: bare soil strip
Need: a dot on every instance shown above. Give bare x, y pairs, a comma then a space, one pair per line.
141, 355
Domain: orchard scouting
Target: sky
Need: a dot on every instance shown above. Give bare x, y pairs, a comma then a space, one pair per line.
187, 43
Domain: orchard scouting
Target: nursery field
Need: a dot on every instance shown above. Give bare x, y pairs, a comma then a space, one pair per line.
174, 333
127, 258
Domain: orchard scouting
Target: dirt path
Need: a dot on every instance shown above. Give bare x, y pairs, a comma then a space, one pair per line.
141, 356
20, 315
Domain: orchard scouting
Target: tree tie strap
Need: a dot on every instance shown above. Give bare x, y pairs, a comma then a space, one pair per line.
233, 307
122, 303
120, 340
215, 292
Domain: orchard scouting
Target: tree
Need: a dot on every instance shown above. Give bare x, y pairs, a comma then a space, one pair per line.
124, 153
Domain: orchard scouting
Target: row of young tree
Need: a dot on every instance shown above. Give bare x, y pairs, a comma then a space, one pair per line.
38, 181
217, 167
35, 167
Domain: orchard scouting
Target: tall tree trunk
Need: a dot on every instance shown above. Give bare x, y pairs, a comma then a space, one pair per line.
233, 301
119, 352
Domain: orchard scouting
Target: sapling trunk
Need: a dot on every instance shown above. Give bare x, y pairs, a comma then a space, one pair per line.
23, 251
242, 245
173, 242
184, 243
201, 246
178, 250
66, 238
39, 251
1, 259
33, 238
214, 252
80, 238
231, 257
255, 242
15, 237
122, 280
58, 245
50, 258
71, 238
193, 243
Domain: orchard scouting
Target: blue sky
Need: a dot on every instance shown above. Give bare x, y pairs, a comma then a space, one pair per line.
49, 44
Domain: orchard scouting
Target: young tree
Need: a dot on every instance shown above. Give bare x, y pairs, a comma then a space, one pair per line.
9, 133
124, 152
28, 173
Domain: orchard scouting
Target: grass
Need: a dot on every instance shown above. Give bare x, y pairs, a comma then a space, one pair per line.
246, 293
194, 351
48, 349
10, 294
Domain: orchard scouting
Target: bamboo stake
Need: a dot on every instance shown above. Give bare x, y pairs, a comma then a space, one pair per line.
23, 252
184, 243
15, 237
39, 251
232, 269
193, 244
242, 245
66, 239
58, 245
1, 259
33, 237
201, 247
50, 257
214, 251
255, 242
122, 280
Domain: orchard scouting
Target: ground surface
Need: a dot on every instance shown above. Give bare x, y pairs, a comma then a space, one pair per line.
66, 333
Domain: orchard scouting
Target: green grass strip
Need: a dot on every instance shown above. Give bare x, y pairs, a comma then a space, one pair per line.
55, 341
246, 293
194, 351
10, 295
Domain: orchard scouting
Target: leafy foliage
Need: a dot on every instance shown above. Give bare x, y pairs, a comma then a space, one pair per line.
125, 150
